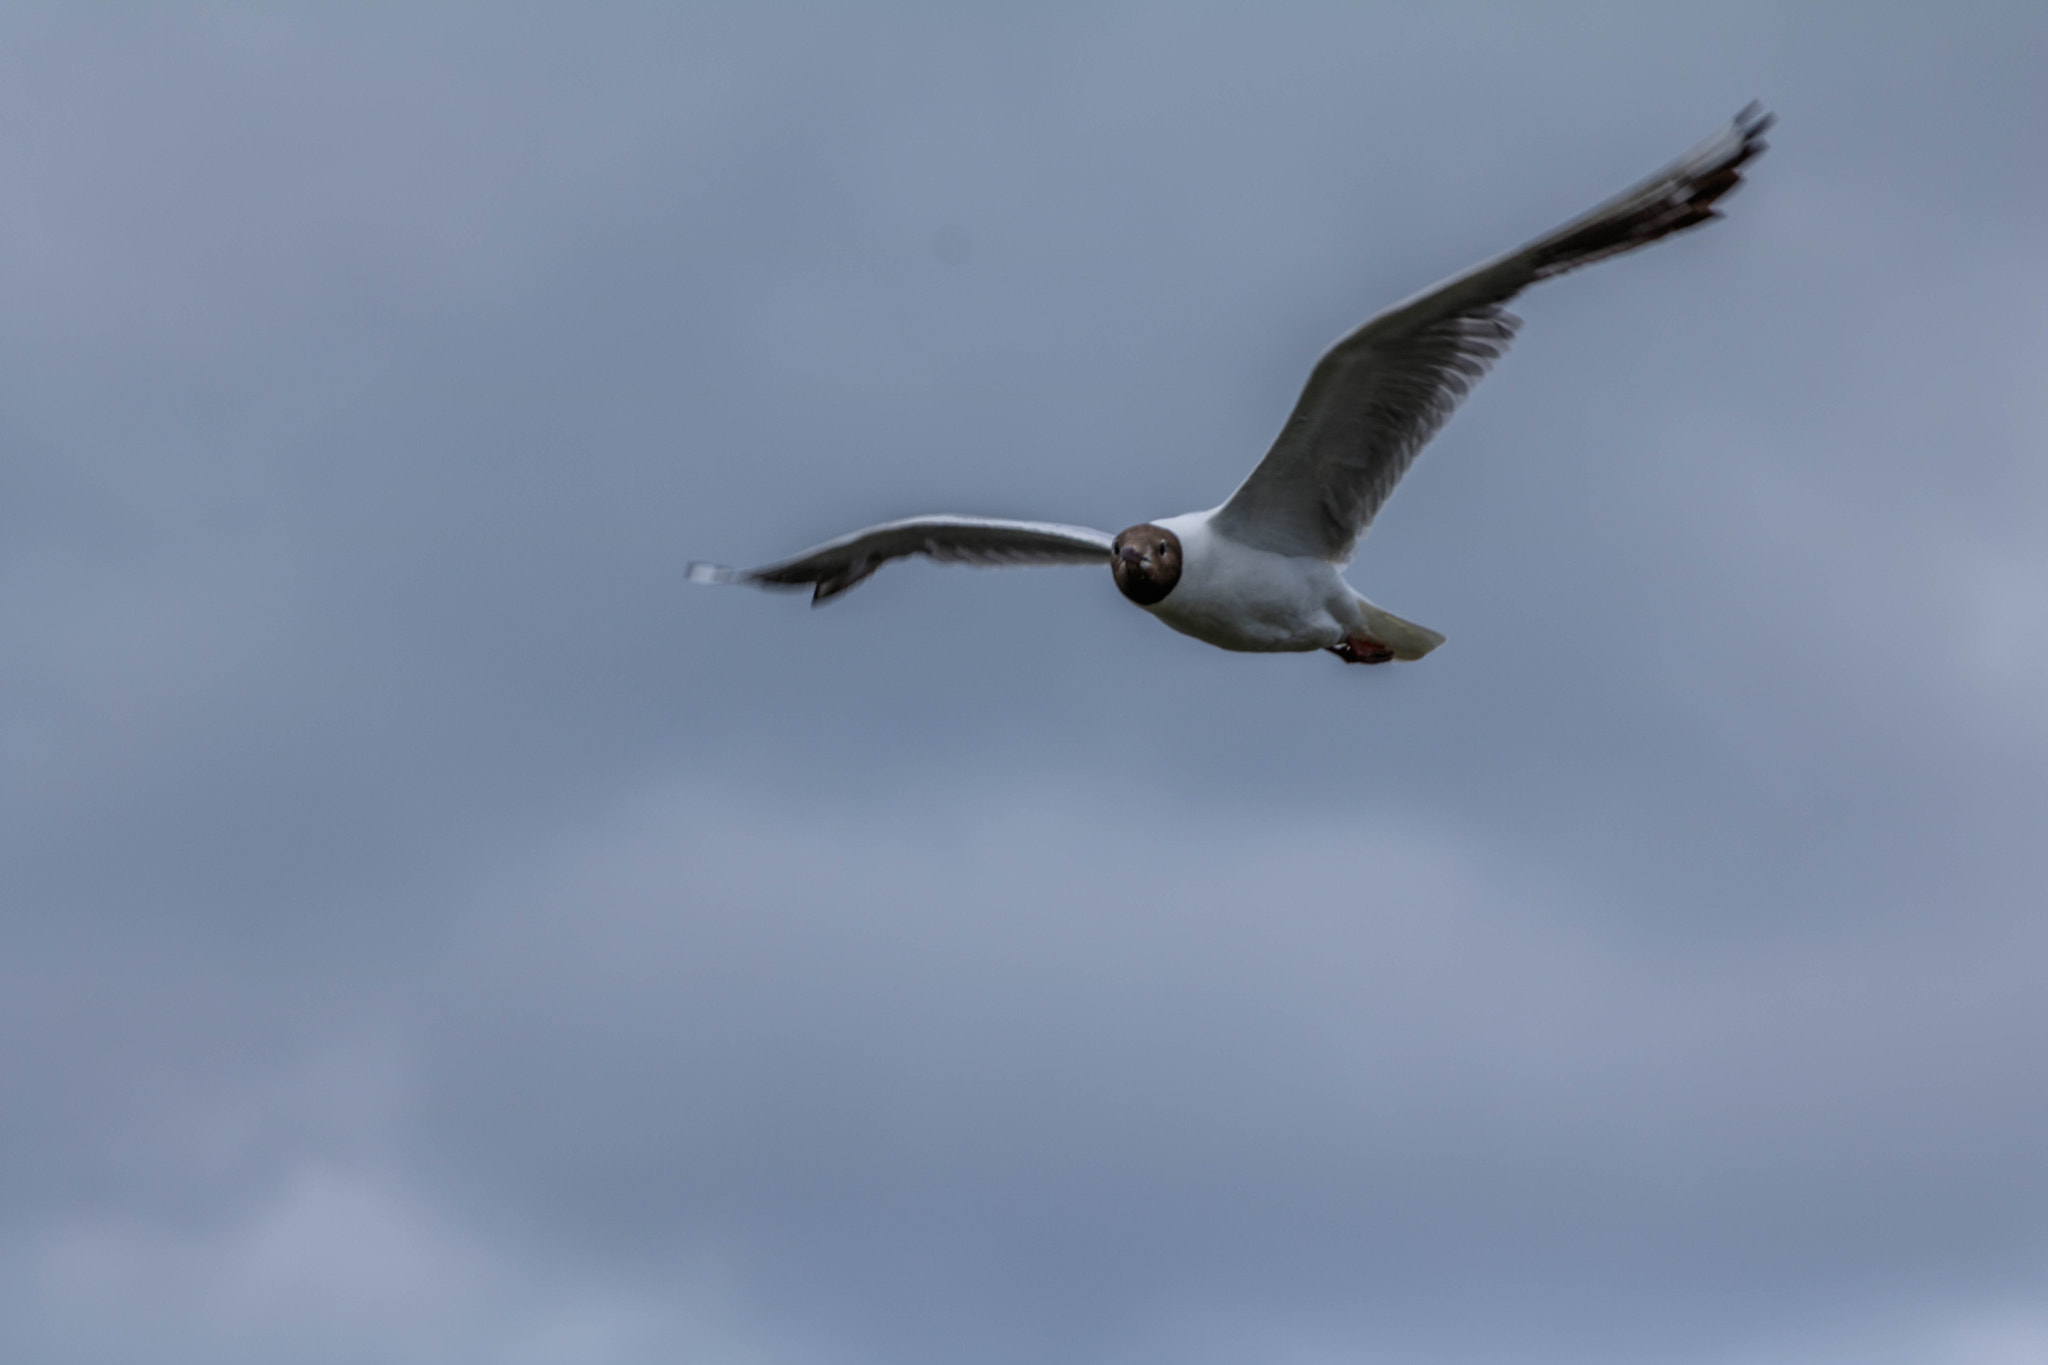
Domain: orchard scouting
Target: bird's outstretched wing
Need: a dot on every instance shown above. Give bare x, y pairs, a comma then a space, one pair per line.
1377, 397
835, 566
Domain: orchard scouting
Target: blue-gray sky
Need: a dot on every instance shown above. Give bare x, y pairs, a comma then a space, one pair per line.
431, 931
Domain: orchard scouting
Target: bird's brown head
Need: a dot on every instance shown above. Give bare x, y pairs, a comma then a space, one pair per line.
1146, 562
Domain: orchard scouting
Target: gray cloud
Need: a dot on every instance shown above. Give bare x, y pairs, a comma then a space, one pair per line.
432, 931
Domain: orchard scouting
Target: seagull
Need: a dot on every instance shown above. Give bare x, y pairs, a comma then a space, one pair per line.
1264, 571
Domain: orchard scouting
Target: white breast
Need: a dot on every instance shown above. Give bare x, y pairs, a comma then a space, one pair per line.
1236, 597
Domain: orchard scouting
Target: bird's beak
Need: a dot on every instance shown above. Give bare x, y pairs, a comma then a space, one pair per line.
1130, 556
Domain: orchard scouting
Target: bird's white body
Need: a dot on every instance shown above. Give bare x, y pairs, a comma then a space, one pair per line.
1236, 596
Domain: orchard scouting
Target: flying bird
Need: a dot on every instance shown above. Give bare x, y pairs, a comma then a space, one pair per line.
1263, 571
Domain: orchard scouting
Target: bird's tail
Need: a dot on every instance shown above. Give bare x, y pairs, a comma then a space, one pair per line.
1405, 638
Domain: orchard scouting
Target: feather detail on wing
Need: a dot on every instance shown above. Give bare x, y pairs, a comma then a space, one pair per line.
830, 569
1378, 396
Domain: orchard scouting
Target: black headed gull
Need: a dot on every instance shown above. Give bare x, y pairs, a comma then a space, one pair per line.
1263, 571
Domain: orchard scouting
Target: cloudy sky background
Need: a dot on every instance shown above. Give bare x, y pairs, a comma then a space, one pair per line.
430, 931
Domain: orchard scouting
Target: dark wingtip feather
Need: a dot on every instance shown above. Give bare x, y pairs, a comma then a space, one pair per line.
719, 575
844, 579
1682, 198
1751, 125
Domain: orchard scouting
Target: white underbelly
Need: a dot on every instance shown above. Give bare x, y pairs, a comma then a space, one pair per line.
1250, 600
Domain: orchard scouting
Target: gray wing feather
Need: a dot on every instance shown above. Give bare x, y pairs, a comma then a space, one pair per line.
830, 569
1378, 396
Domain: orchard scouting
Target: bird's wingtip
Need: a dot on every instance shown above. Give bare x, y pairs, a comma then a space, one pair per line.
699, 572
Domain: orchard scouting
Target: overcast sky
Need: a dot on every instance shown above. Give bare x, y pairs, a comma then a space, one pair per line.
432, 931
